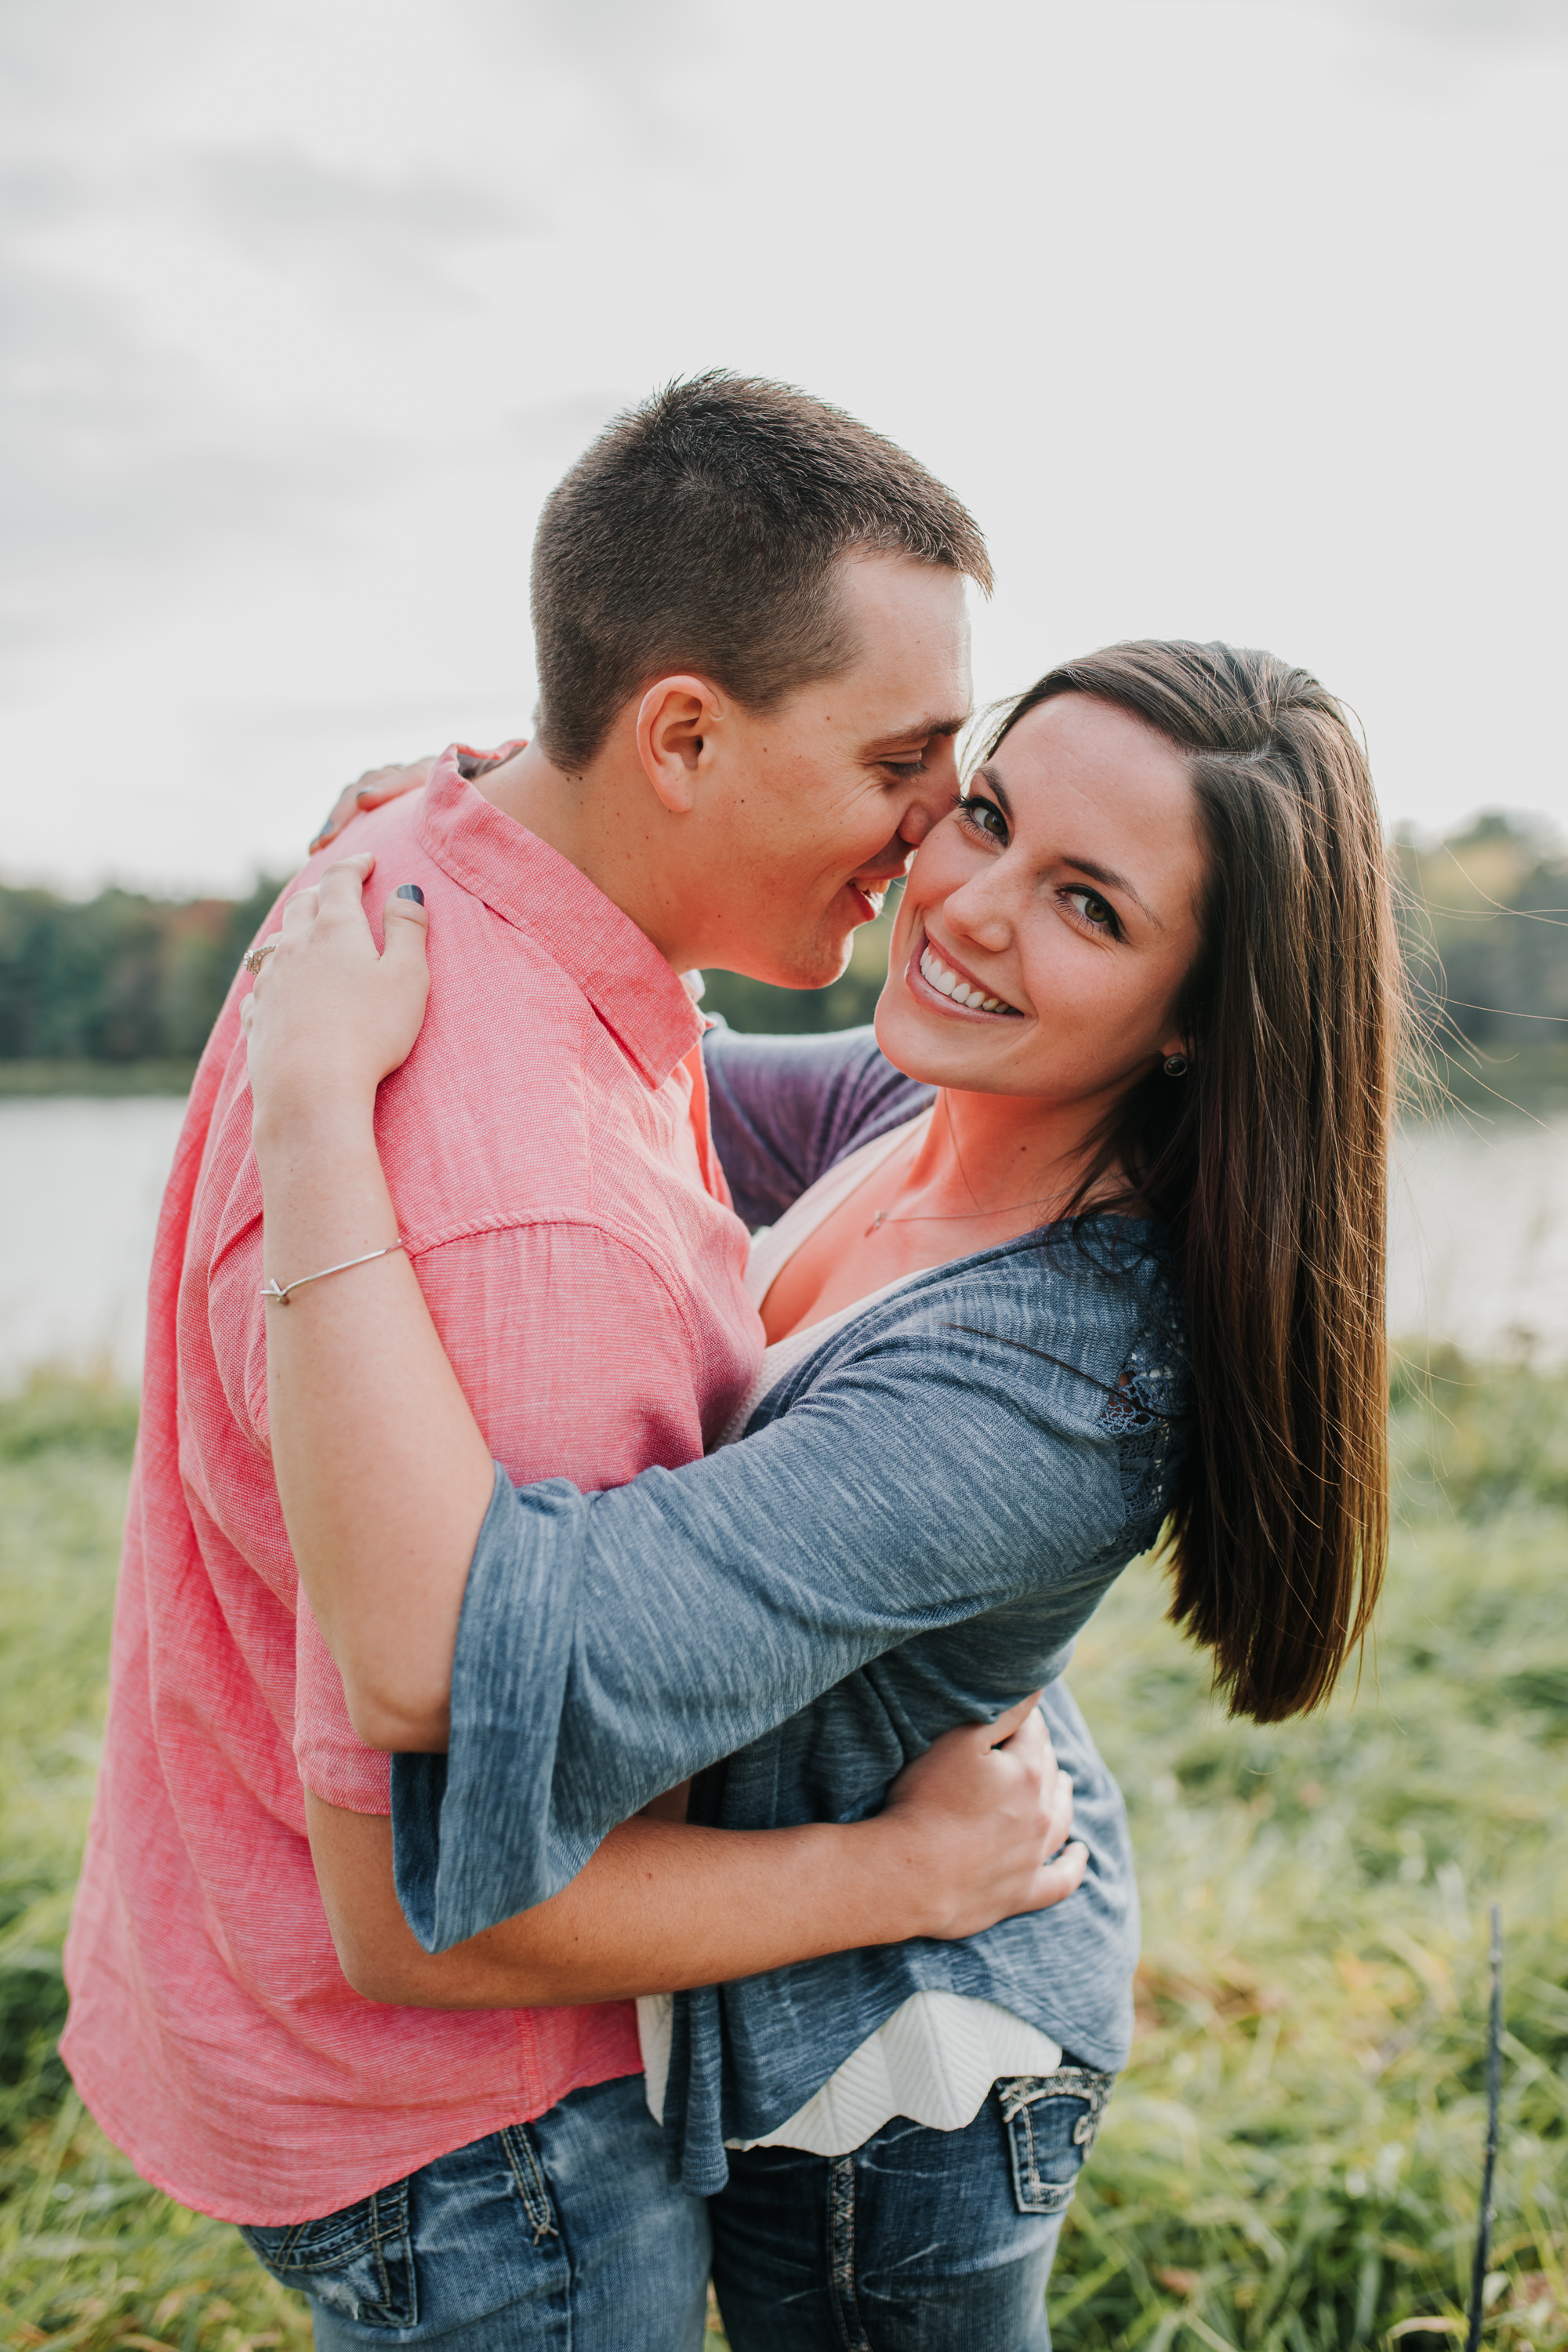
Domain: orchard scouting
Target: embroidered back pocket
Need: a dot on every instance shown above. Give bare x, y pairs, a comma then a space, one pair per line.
1051, 2121
358, 2262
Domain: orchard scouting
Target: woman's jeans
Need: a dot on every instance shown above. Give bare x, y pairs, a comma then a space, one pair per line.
564, 2233
920, 2241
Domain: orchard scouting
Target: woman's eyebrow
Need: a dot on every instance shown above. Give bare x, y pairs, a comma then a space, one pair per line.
996, 787
1112, 881
1107, 874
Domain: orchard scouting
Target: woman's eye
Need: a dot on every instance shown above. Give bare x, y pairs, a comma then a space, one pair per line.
1096, 910
983, 815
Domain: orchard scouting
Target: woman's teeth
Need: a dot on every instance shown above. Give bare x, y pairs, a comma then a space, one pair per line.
948, 983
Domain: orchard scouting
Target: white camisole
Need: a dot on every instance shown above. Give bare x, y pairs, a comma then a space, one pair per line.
937, 2056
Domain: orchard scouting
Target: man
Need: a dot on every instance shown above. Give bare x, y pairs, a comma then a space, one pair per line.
754, 661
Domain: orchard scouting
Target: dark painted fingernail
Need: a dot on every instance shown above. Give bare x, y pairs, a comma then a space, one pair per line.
411, 890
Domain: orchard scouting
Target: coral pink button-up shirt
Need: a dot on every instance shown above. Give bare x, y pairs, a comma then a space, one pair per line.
548, 1150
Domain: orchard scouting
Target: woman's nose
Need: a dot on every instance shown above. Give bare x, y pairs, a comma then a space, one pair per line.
979, 911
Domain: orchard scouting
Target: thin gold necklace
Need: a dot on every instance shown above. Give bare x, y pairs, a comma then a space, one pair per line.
963, 1217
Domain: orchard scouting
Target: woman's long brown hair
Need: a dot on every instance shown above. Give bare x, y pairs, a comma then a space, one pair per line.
1267, 1162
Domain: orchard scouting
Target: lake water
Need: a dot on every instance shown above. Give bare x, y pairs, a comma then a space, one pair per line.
80, 1181
1478, 1248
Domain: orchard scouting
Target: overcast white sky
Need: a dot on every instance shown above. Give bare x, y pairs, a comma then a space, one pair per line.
1227, 317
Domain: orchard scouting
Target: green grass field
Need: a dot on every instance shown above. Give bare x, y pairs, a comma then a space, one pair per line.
1292, 2160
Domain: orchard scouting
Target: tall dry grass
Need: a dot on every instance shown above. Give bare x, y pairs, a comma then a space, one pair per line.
1292, 2160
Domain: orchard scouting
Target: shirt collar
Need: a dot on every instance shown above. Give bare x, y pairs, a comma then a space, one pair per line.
531, 886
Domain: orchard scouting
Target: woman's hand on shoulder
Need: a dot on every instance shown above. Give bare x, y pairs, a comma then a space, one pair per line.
328, 1017
373, 791
984, 1817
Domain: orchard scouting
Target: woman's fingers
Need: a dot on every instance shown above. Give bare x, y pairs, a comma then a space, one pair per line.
404, 913
299, 916
300, 912
336, 1012
404, 924
345, 806
338, 894
372, 790
341, 891
379, 785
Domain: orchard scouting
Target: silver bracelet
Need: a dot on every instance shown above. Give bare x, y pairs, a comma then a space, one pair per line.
279, 1292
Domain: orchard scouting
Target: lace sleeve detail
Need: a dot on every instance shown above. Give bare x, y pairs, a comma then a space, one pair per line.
1148, 1414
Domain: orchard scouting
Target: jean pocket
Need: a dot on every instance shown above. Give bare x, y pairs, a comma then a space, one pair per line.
1051, 2121
359, 2262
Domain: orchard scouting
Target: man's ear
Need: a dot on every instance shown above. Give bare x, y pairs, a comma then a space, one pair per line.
677, 716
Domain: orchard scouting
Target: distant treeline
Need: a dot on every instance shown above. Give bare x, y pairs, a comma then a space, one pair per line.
120, 978
123, 981
1486, 919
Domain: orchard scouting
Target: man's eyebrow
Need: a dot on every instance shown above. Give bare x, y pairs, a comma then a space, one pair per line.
919, 731
1107, 874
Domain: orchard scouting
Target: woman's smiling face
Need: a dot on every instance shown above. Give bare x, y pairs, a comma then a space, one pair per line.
1050, 922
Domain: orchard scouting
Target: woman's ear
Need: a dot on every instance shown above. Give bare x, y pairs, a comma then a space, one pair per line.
675, 721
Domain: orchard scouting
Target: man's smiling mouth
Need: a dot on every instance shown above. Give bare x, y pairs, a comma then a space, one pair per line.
959, 988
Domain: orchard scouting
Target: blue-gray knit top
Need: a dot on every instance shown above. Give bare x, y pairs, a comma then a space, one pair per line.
921, 1516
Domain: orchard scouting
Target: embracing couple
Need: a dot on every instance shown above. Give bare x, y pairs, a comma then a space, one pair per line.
590, 1801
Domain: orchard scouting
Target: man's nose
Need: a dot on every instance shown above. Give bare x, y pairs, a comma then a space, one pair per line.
932, 795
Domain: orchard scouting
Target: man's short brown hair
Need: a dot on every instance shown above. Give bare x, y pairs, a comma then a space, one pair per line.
701, 533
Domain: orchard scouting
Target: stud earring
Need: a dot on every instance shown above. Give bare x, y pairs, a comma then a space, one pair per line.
1175, 1066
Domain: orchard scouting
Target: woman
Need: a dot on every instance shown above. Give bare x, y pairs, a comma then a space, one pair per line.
1127, 1271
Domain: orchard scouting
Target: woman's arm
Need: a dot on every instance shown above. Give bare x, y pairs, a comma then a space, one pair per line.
662, 1905
382, 1474
787, 1109
385, 1481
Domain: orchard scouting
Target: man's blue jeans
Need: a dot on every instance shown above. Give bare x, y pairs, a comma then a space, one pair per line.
920, 2241
564, 2233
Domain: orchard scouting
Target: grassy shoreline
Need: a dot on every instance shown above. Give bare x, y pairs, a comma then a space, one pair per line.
1291, 2161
